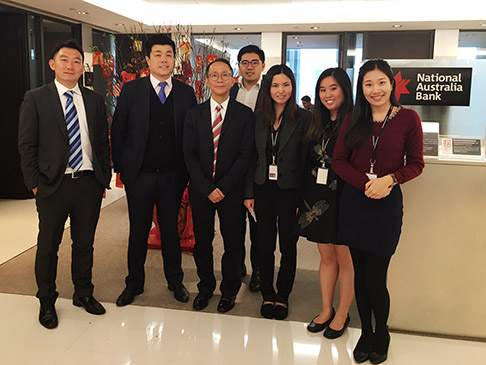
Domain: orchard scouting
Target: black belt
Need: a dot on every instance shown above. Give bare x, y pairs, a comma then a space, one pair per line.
79, 174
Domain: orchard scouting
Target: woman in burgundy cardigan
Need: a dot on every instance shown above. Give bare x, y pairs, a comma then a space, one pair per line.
379, 147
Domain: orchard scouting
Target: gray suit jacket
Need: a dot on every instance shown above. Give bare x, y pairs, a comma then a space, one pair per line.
43, 138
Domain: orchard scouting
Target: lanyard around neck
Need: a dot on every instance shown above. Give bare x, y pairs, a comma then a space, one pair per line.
376, 138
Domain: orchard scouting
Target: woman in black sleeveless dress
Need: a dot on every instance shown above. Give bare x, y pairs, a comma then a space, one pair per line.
321, 190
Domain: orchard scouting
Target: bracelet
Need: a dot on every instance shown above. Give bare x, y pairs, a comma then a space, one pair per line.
395, 181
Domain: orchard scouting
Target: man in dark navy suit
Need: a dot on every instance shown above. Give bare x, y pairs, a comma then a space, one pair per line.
251, 61
65, 158
146, 138
219, 138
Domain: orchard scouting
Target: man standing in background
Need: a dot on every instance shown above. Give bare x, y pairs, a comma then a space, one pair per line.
146, 139
251, 61
65, 159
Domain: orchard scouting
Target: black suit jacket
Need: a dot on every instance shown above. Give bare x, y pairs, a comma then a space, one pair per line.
234, 93
129, 131
291, 152
43, 138
234, 152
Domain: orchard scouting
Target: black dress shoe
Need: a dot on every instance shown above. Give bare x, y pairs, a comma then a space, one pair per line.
318, 327
181, 294
267, 310
255, 281
48, 316
201, 301
226, 304
127, 297
90, 304
280, 312
332, 333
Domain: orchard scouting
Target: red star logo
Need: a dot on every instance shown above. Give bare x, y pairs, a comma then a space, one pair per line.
401, 87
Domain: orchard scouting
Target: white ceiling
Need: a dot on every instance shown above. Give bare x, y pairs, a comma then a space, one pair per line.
223, 16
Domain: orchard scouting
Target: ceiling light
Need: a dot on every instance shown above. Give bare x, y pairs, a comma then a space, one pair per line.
120, 24
237, 28
483, 25
296, 37
81, 12
245, 37
298, 42
397, 25
314, 28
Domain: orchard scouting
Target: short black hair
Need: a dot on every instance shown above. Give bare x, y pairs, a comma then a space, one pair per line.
159, 39
306, 98
224, 60
251, 49
68, 44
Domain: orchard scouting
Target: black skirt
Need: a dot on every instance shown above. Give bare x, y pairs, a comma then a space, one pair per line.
371, 225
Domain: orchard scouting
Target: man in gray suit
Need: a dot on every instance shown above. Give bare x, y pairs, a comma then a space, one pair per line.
65, 159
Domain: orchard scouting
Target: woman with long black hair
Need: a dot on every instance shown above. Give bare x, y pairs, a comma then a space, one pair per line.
273, 183
380, 146
321, 190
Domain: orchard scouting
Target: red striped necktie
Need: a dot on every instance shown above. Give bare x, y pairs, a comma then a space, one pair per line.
217, 124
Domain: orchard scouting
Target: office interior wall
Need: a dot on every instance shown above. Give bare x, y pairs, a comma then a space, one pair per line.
272, 46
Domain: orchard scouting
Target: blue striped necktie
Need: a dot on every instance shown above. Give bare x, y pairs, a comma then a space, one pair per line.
162, 95
74, 133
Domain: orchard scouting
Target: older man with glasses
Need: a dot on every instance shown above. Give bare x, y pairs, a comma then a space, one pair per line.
251, 61
218, 144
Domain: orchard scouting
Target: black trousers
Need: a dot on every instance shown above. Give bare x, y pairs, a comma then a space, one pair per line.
231, 217
253, 242
161, 190
275, 208
370, 272
80, 199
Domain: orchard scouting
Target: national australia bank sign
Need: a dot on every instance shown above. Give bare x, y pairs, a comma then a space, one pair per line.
433, 86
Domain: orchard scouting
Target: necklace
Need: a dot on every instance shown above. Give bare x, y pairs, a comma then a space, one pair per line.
391, 116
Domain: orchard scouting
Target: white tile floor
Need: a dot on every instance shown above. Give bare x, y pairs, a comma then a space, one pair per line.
143, 335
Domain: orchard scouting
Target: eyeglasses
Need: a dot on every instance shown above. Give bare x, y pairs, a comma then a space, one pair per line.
254, 63
224, 76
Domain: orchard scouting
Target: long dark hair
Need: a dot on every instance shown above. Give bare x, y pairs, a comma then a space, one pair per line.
268, 107
322, 116
361, 124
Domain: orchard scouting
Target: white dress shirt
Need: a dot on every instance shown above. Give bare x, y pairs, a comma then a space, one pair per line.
83, 124
214, 112
155, 83
248, 97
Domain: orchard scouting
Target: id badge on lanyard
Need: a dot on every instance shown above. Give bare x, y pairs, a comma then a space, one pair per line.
374, 141
323, 172
273, 168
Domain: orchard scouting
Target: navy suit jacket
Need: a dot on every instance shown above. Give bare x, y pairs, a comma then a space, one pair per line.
43, 138
129, 131
234, 152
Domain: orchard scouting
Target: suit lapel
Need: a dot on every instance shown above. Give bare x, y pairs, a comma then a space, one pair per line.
56, 106
206, 126
175, 96
89, 110
287, 131
228, 117
144, 102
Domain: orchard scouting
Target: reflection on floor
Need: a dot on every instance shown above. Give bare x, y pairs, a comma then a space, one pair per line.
143, 335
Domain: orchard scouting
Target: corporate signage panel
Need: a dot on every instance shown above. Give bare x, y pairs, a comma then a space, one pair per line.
446, 86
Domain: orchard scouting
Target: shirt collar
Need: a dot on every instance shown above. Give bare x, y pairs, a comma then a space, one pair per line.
214, 104
61, 89
155, 82
258, 84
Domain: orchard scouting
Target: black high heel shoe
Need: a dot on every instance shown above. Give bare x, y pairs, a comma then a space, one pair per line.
332, 333
379, 350
318, 327
362, 350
